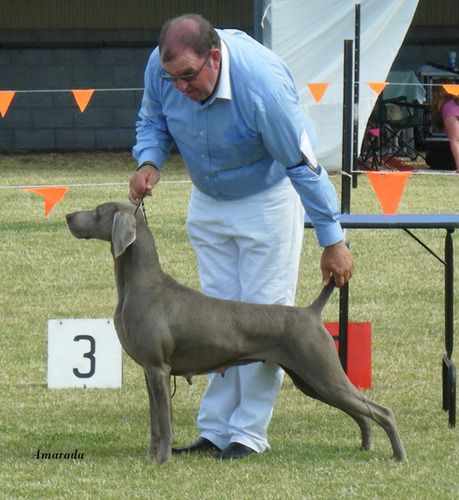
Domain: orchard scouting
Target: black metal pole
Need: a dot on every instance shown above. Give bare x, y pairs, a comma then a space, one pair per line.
347, 127
449, 368
449, 294
346, 187
355, 156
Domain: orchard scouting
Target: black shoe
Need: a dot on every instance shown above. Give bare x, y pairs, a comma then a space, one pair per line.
200, 445
236, 450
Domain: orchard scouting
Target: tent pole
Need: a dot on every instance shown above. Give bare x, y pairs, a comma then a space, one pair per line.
257, 17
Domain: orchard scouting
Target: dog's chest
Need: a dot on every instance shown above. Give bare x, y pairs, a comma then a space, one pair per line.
127, 344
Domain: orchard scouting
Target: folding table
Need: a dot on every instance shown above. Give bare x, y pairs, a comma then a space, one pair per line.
449, 222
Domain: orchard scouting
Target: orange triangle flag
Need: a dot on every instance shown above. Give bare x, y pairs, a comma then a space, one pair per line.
82, 97
452, 89
378, 87
389, 187
51, 195
318, 90
6, 96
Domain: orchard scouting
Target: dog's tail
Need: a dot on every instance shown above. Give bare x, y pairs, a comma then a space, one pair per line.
322, 299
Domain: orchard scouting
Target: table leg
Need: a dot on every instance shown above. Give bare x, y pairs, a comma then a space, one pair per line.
448, 367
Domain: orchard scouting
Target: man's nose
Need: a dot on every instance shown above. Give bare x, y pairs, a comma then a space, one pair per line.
181, 85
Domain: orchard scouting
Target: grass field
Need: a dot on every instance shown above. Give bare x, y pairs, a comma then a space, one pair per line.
46, 273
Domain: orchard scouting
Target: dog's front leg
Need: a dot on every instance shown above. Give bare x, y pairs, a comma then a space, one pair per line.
158, 385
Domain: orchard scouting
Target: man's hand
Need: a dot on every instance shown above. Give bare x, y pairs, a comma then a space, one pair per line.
142, 182
337, 261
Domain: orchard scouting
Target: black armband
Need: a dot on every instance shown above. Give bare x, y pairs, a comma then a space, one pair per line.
147, 163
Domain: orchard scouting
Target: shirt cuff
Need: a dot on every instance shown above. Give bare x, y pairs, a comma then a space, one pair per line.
329, 234
153, 156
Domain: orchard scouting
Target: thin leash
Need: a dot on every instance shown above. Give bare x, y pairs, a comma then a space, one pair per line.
142, 204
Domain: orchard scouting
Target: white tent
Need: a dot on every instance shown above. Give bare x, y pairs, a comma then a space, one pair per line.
309, 35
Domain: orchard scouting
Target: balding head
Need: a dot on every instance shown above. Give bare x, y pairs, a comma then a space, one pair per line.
187, 32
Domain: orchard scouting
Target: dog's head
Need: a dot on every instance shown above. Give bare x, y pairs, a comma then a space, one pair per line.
115, 222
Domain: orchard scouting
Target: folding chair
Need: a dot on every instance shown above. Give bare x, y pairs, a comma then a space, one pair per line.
401, 123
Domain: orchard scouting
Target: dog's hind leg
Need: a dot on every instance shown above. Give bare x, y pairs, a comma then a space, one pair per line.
154, 424
317, 364
348, 399
384, 416
362, 421
365, 430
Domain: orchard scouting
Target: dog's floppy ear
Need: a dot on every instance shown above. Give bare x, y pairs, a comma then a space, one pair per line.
123, 232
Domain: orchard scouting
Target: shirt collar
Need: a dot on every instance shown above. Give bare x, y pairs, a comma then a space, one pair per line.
224, 86
223, 90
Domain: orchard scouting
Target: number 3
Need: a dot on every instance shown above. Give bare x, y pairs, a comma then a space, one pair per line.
89, 355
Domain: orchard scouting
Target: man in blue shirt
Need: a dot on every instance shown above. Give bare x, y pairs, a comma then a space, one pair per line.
231, 107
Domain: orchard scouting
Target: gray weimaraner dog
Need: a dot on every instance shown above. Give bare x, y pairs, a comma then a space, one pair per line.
170, 329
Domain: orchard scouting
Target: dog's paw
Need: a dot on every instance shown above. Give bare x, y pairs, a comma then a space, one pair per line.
150, 456
156, 456
401, 457
163, 458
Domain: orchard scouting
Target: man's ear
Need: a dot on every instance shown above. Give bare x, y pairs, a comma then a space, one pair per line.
123, 232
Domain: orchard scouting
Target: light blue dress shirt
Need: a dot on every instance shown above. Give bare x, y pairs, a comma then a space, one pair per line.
245, 138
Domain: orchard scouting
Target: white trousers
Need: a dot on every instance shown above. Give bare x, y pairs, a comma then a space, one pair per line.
247, 250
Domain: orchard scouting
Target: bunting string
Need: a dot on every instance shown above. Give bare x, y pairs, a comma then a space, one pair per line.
319, 89
84, 96
387, 185
44, 91
187, 181
91, 184
132, 89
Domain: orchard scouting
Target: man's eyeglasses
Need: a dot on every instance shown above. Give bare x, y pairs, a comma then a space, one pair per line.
186, 78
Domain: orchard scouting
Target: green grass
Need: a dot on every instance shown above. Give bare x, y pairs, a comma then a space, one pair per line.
46, 273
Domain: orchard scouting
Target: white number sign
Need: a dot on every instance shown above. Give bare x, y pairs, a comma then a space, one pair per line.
83, 353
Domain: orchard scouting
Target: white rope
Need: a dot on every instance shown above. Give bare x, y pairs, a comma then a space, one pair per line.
414, 172
265, 13
95, 184
119, 184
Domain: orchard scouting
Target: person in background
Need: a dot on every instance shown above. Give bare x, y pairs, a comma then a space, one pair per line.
445, 116
231, 107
